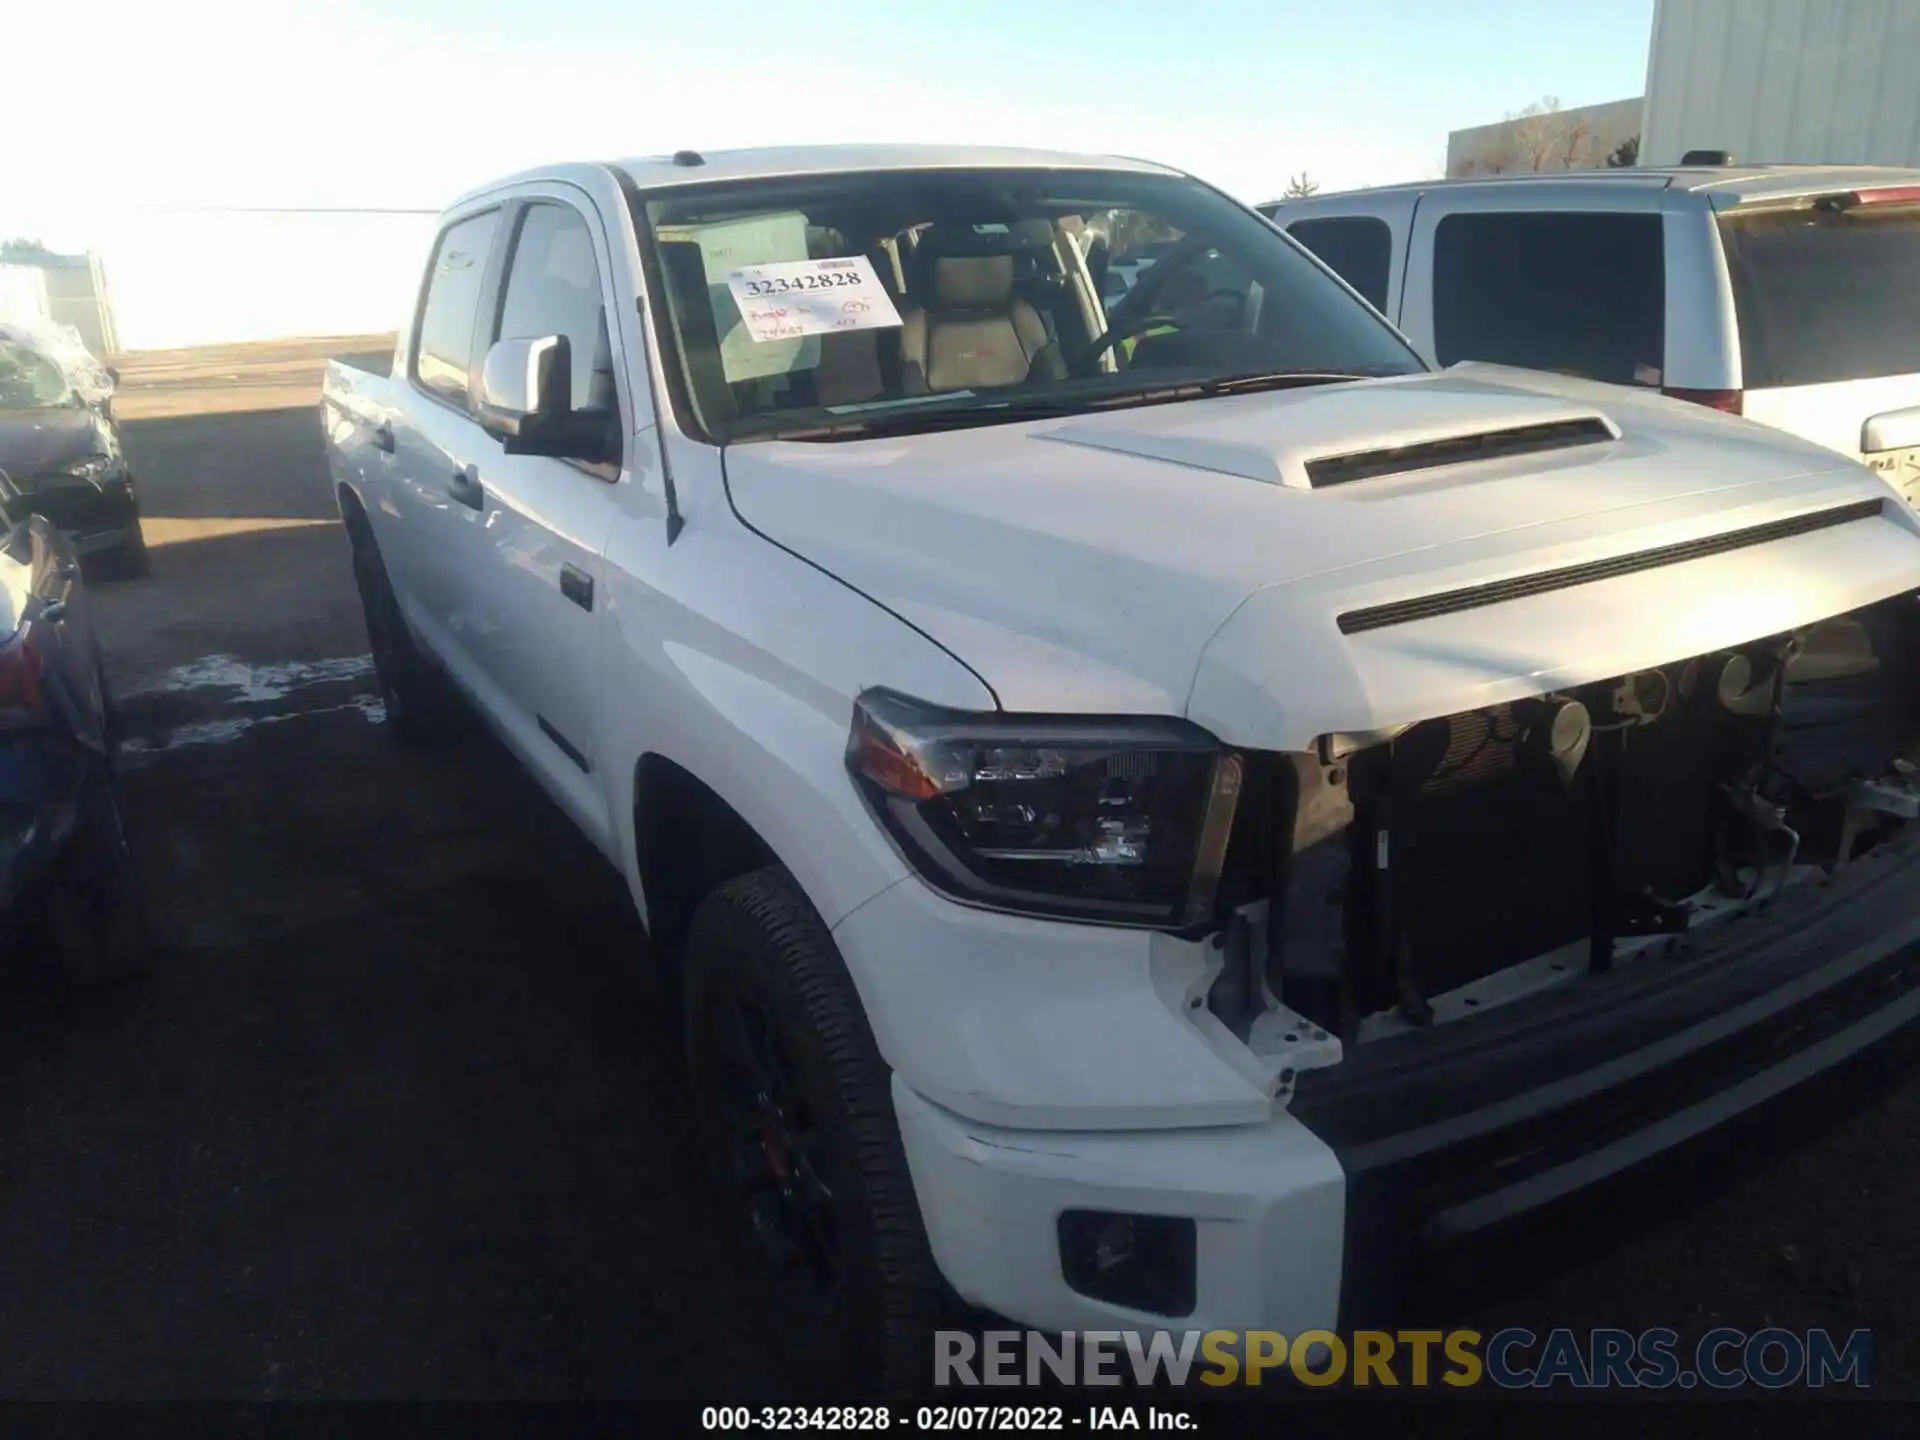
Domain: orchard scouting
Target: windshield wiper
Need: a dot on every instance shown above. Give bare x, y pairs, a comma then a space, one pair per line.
921, 422
1285, 379
1053, 406
1230, 385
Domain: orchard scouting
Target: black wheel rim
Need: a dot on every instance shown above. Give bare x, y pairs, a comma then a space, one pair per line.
775, 1148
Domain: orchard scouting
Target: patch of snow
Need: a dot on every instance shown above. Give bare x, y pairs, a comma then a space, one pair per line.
138, 751
257, 683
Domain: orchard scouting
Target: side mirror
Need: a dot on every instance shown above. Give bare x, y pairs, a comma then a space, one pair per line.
525, 402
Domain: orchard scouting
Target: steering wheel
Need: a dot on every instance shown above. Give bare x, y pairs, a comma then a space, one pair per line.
1236, 298
1114, 334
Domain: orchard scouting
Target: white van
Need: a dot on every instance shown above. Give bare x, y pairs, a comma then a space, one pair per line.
1788, 294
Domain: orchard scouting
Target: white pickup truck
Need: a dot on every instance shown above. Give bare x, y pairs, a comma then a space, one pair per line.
1163, 815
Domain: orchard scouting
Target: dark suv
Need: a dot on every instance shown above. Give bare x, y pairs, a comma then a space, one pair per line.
60, 456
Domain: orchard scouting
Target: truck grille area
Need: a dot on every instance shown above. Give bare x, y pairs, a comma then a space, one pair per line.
1576, 821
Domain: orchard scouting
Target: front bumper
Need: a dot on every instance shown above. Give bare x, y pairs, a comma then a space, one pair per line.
1420, 1144
94, 518
1267, 1201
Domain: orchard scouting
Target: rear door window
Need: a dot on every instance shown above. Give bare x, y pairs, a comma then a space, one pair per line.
1357, 248
443, 353
1576, 292
1825, 295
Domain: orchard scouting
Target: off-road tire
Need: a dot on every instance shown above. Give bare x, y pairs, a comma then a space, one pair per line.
757, 935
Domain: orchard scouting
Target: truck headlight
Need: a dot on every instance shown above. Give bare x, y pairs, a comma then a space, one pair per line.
93, 469
1120, 820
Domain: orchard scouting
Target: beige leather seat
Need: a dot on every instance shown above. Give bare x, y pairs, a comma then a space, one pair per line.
974, 332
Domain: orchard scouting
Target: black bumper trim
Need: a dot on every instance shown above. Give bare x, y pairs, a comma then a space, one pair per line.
1448, 1136
1663, 1135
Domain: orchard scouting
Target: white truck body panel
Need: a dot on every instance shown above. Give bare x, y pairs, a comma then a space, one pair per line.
1175, 560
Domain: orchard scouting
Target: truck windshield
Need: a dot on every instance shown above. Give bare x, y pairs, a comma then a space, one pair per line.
822, 307
30, 381
1825, 295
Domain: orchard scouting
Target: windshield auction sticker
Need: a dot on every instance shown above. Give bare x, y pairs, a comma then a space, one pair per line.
811, 297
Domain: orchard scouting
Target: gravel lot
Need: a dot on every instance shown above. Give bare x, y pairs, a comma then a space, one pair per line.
399, 1115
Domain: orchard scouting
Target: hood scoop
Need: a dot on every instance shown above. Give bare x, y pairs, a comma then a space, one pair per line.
1316, 439
1458, 450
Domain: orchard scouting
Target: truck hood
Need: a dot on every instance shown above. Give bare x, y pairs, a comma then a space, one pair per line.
1197, 558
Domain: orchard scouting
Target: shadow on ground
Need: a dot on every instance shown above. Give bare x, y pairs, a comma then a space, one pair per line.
399, 1115
246, 463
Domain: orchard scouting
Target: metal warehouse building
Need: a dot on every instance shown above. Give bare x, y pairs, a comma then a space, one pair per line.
1793, 81
1786, 81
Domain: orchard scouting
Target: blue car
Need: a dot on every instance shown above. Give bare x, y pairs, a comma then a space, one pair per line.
68, 891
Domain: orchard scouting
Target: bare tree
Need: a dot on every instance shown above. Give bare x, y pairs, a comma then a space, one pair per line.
1536, 132
1576, 136
1300, 186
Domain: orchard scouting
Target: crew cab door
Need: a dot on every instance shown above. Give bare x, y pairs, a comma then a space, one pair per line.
546, 521
430, 551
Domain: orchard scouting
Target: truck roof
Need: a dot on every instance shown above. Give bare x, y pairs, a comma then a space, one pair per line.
771, 162
1724, 185
649, 172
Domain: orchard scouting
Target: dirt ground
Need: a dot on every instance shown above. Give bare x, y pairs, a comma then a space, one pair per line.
399, 1115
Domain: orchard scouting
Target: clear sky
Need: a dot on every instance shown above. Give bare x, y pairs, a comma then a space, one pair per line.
127, 117
131, 103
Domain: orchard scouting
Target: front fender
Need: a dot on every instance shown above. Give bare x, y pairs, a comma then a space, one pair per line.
741, 663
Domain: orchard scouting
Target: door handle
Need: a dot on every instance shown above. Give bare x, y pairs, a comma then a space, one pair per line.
466, 489
383, 437
577, 586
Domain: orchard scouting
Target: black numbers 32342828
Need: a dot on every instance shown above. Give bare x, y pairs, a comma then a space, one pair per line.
829, 280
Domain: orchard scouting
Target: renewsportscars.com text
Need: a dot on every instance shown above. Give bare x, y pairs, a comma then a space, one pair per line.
1511, 1359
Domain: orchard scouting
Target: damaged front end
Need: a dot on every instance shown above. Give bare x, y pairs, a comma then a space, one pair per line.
1393, 882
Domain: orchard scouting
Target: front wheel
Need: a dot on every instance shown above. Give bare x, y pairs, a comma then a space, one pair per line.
796, 1112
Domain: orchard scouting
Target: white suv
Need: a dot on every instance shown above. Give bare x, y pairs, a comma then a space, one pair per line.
1789, 294
1164, 814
